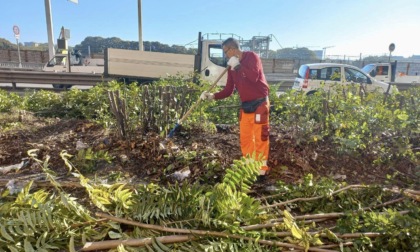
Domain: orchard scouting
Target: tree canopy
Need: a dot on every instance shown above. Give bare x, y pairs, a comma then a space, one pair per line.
6, 44
99, 44
295, 53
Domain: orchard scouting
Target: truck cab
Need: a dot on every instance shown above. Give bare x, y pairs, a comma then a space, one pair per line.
212, 61
381, 71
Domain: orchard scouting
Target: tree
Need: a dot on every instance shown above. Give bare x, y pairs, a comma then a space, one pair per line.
296, 54
6, 44
383, 58
99, 44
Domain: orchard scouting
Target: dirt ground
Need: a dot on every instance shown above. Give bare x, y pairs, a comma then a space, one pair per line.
141, 158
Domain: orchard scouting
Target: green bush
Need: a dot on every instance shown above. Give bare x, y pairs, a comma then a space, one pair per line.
9, 101
44, 103
371, 123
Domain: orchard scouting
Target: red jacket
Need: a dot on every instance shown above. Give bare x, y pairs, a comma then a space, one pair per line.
249, 80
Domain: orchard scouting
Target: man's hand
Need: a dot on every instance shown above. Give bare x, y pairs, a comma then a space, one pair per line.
233, 62
207, 96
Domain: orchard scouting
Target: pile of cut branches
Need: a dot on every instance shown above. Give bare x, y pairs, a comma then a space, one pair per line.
310, 216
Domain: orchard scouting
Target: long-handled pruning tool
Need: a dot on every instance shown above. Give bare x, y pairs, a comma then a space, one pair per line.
172, 132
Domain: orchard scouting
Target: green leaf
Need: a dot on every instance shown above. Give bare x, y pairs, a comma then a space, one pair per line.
12, 249
163, 246
402, 116
5, 234
331, 235
296, 232
114, 235
156, 246
71, 244
121, 248
28, 246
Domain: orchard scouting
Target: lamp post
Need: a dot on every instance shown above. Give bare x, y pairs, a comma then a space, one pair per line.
51, 50
140, 27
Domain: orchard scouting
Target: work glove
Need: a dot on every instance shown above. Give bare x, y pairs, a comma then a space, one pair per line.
207, 96
233, 62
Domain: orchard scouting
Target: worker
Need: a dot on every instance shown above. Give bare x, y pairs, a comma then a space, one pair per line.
379, 70
247, 77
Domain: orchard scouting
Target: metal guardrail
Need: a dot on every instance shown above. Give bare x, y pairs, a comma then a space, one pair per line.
81, 79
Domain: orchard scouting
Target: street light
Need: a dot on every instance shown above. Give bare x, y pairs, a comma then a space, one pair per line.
140, 27
51, 50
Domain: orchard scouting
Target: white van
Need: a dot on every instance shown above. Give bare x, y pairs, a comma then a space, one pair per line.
312, 77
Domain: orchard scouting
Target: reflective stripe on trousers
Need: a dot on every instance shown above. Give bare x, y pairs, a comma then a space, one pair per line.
254, 133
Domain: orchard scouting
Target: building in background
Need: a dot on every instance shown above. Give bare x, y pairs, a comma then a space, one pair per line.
34, 44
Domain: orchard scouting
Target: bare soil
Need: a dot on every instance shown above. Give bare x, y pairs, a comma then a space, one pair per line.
140, 158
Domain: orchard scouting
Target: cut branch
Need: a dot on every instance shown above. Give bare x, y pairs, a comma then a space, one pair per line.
313, 198
276, 222
205, 233
407, 192
90, 246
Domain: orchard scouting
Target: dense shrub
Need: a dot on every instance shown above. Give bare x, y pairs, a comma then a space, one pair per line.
9, 101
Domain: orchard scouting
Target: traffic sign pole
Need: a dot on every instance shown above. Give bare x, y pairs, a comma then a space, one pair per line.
16, 31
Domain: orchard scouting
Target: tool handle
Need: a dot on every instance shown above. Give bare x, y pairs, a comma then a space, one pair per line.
199, 99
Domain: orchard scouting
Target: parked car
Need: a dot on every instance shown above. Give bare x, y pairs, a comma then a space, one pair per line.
312, 77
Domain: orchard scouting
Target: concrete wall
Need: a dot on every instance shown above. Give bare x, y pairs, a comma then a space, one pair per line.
278, 65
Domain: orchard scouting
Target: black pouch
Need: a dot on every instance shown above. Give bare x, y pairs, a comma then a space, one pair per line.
251, 106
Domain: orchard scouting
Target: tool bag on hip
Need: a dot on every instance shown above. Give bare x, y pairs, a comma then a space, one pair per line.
251, 106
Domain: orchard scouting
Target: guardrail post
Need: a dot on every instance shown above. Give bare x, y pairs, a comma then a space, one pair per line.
14, 85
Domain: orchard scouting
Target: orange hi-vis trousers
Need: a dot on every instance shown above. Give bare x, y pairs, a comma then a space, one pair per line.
254, 134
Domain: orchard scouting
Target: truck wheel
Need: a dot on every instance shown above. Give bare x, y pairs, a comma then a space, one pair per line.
61, 86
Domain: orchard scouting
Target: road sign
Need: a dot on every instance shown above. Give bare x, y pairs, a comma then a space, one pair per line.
16, 31
391, 47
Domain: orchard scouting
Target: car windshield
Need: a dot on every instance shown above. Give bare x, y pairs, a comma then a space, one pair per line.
368, 68
302, 71
355, 75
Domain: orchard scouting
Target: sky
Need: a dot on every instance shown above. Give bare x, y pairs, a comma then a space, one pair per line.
346, 28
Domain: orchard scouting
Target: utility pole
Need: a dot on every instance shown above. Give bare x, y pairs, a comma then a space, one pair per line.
140, 27
51, 50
